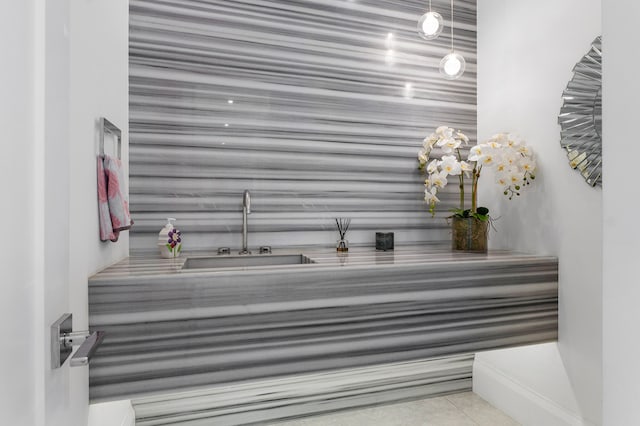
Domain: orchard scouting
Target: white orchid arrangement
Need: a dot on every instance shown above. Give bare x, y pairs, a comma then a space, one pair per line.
505, 153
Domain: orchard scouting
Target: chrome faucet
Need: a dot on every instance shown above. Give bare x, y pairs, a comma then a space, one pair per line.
246, 209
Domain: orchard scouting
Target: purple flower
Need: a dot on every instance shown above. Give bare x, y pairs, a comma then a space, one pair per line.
174, 237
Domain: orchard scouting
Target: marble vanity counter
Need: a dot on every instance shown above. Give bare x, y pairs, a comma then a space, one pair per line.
151, 264
171, 329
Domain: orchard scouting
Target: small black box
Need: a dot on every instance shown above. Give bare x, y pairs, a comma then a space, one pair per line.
384, 241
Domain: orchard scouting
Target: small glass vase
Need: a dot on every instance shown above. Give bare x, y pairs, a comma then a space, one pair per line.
469, 234
342, 245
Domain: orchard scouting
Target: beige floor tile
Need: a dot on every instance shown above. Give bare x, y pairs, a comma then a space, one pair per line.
483, 413
427, 412
463, 409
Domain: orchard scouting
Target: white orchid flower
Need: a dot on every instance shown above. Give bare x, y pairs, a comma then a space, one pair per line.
476, 153
502, 167
444, 132
463, 137
513, 140
444, 141
503, 180
511, 159
528, 165
423, 157
438, 180
501, 138
432, 167
429, 141
450, 165
516, 178
488, 160
466, 168
427, 182
430, 196
450, 145
524, 150
507, 154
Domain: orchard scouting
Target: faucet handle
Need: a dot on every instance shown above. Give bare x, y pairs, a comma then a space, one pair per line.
224, 250
265, 250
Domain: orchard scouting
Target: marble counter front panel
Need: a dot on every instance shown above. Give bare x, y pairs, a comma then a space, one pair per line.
169, 329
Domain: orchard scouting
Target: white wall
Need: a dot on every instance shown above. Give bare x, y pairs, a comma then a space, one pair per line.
99, 87
19, 278
99, 34
59, 389
35, 112
50, 242
621, 292
526, 51
505, 379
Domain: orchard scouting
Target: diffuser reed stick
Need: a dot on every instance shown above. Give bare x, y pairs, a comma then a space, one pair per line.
343, 226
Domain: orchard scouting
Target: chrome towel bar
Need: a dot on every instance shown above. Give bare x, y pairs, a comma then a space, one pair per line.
108, 127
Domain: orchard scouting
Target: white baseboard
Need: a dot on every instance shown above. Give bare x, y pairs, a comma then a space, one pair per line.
522, 403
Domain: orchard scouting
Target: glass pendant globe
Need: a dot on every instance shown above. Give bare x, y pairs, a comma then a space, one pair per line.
430, 25
452, 66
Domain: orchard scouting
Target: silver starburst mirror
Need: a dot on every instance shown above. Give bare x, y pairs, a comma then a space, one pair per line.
580, 117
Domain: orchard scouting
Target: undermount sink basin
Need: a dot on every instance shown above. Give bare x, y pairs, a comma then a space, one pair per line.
245, 261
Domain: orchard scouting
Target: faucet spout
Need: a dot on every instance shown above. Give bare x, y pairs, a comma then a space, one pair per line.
246, 201
246, 210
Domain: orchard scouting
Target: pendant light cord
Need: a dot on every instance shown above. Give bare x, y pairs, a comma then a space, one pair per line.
451, 26
429, 5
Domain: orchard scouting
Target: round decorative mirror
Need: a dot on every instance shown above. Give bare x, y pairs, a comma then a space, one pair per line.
580, 117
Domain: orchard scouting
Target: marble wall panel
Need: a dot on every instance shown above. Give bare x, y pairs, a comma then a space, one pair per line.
321, 124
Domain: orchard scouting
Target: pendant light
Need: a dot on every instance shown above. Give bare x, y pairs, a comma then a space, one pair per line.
430, 24
452, 66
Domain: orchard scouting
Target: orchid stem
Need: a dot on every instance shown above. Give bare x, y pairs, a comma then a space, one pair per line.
461, 178
461, 191
474, 188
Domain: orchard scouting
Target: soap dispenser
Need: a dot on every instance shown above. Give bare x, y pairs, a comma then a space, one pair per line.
170, 240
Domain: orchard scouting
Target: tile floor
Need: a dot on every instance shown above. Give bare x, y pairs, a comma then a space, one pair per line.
462, 409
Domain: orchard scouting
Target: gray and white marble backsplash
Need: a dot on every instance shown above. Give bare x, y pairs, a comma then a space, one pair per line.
297, 102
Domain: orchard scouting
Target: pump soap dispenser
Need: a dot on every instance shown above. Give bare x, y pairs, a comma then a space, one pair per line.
170, 240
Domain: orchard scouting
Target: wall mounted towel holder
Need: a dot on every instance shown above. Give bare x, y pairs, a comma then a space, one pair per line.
108, 127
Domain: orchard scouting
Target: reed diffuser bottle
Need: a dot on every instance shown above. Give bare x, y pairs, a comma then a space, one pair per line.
343, 226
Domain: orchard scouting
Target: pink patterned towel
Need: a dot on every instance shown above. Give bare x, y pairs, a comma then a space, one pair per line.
113, 205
